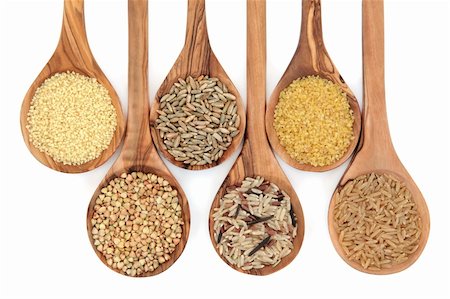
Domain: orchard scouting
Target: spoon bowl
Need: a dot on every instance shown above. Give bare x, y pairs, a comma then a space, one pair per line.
398, 172
376, 153
244, 167
73, 54
311, 59
196, 59
256, 158
158, 168
139, 153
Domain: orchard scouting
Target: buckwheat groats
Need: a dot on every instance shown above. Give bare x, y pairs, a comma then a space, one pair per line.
377, 221
137, 222
198, 120
254, 225
71, 118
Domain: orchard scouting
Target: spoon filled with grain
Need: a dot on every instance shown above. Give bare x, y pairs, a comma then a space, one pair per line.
313, 118
71, 117
198, 119
138, 218
256, 222
378, 219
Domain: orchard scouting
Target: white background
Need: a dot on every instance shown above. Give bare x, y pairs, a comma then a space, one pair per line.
44, 248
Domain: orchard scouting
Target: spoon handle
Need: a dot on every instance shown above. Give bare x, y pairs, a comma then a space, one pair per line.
311, 55
137, 142
256, 75
73, 31
376, 129
311, 27
197, 40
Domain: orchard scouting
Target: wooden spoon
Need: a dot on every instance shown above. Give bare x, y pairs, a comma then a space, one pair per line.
138, 153
195, 59
377, 152
311, 58
73, 54
256, 158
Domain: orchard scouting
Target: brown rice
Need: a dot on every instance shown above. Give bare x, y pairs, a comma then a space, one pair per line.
377, 221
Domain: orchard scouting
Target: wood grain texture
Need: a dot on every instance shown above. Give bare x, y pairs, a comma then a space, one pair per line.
139, 153
311, 58
73, 54
376, 151
195, 59
256, 158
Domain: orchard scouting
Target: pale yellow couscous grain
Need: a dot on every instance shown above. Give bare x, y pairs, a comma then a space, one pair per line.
314, 121
71, 118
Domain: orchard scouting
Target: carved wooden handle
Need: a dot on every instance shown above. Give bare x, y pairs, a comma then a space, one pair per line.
73, 27
312, 54
256, 72
311, 29
196, 46
376, 129
137, 142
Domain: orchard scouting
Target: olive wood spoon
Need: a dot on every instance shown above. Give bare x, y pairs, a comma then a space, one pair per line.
377, 153
138, 153
195, 59
73, 54
256, 158
311, 58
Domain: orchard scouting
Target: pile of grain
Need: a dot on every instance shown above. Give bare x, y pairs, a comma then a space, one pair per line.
198, 120
255, 225
71, 118
377, 221
137, 222
313, 121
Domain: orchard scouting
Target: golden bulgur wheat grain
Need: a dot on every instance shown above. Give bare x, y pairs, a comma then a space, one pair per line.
314, 121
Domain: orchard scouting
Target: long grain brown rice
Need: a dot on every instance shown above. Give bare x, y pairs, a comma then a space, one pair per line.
377, 221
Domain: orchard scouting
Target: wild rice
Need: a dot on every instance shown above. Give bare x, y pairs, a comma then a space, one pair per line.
254, 226
377, 221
